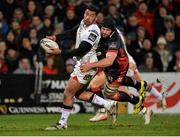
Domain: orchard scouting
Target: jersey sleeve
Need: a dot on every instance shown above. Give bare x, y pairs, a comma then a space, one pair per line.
113, 46
92, 35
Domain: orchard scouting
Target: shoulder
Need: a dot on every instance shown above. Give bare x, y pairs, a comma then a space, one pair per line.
94, 29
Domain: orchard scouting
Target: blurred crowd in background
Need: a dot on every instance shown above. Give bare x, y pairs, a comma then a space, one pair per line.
151, 29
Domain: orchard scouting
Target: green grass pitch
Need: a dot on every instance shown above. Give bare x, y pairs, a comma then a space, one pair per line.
127, 125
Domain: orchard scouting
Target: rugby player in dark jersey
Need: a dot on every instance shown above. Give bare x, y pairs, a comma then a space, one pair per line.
115, 63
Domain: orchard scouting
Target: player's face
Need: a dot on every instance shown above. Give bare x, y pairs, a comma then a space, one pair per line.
89, 17
105, 32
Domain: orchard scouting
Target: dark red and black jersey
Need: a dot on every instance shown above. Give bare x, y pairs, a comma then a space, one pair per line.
120, 66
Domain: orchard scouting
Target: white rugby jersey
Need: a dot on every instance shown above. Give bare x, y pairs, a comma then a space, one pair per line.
90, 34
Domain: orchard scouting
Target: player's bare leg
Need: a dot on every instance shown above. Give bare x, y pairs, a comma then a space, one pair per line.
110, 106
72, 87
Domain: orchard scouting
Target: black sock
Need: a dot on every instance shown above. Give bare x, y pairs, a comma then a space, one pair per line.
137, 85
67, 107
134, 100
127, 81
124, 97
91, 98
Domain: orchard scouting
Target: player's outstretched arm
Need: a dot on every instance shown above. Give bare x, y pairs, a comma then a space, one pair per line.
83, 48
105, 62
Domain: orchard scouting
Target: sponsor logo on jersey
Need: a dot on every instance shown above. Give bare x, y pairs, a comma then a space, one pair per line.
92, 37
113, 45
87, 77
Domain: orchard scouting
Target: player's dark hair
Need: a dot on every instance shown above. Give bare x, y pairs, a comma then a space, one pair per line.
93, 8
108, 23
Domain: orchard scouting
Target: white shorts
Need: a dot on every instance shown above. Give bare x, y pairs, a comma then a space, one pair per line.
84, 78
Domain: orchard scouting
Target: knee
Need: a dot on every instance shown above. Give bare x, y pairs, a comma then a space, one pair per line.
94, 88
68, 94
94, 85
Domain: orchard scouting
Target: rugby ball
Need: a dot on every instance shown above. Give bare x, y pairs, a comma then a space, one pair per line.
47, 44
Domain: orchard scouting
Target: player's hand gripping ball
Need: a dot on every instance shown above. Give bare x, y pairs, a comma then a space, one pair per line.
48, 44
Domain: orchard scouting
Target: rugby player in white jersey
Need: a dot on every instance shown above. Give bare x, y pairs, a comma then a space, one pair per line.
87, 39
